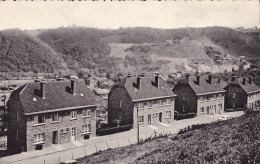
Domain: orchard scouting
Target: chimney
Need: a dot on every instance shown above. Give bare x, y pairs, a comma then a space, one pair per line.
198, 80
249, 80
244, 80
210, 79
187, 76
73, 86
157, 80
219, 81
43, 89
138, 82
233, 78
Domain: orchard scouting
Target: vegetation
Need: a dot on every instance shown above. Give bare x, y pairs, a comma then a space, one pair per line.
231, 141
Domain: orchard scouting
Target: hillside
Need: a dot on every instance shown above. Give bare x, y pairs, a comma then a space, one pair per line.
230, 141
117, 52
22, 52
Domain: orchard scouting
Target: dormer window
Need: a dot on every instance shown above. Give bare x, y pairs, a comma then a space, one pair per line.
86, 112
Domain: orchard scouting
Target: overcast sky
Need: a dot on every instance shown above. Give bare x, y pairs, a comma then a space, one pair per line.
170, 14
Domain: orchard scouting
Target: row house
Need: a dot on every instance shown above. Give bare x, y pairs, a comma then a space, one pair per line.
200, 95
146, 100
242, 91
44, 114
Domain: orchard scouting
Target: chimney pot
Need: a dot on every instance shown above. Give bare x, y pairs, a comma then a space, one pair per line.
210, 79
198, 80
244, 81
43, 89
249, 80
139, 82
157, 81
73, 86
219, 81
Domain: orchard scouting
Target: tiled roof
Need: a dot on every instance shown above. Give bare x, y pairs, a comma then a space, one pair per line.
247, 87
58, 96
148, 90
204, 87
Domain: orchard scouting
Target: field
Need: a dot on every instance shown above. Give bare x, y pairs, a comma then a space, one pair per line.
231, 141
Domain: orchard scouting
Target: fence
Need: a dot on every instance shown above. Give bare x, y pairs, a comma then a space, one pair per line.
85, 150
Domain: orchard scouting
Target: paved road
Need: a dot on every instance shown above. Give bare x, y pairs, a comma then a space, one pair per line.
68, 151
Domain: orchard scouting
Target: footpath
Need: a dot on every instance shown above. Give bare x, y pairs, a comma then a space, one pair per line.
78, 149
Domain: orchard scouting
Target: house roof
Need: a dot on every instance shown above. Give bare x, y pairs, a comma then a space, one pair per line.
247, 87
58, 97
204, 86
148, 90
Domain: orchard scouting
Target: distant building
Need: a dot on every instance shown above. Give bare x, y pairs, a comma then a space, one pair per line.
242, 91
148, 99
42, 114
199, 94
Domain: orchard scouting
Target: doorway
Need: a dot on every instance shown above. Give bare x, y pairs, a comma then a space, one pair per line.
73, 133
149, 120
55, 137
160, 117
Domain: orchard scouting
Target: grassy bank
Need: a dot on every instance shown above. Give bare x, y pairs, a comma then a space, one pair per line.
232, 141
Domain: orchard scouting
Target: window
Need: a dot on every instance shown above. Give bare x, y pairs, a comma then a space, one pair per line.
201, 98
39, 138
86, 129
41, 119
220, 106
202, 109
168, 114
168, 101
215, 97
207, 97
140, 105
55, 117
160, 103
141, 119
86, 112
234, 95
220, 96
74, 114
150, 104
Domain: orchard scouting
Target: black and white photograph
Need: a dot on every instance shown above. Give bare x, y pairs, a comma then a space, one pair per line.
118, 82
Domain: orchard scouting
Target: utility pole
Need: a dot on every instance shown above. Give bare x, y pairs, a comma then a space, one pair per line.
137, 124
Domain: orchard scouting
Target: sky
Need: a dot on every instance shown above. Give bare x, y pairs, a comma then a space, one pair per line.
113, 15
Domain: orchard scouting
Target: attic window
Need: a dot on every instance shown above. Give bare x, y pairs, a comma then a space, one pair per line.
34, 99
81, 94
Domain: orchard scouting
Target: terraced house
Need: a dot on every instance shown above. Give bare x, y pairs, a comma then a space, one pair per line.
146, 100
242, 91
200, 95
44, 114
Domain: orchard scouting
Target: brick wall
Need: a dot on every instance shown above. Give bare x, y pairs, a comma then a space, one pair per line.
190, 102
215, 105
118, 96
65, 122
154, 112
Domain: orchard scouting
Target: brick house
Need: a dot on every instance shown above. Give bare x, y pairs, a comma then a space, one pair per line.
43, 114
241, 91
200, 95
149, 99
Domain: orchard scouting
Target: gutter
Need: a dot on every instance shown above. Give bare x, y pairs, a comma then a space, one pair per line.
210, 93
153, 98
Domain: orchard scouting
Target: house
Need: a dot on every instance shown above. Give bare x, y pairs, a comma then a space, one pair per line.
199, 94
241, 91
147, 100
43, 114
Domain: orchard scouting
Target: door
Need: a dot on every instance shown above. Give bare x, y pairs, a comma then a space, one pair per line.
207, 109
55, 137
73, 133
160, 116
215, 109
149, 120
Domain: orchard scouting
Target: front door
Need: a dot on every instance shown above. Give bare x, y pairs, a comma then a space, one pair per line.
160, 116
73, 133
149, 119
55, 137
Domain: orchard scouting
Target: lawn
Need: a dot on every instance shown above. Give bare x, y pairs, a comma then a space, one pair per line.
232, 141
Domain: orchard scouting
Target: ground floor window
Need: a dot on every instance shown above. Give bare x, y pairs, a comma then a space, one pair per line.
168, 114
201, 109
86, 129
141, 119
39, 138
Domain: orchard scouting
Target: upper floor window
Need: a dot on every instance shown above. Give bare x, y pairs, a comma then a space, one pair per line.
141, 119
40, 119
215, 97
160, 102
150, 104
140, 105
168, 101
207, 97
74, 114
39, 138
168, 114
220, 96
86, 112
201, 98
55, 117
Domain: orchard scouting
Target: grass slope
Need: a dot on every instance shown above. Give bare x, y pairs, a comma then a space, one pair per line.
231, 141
